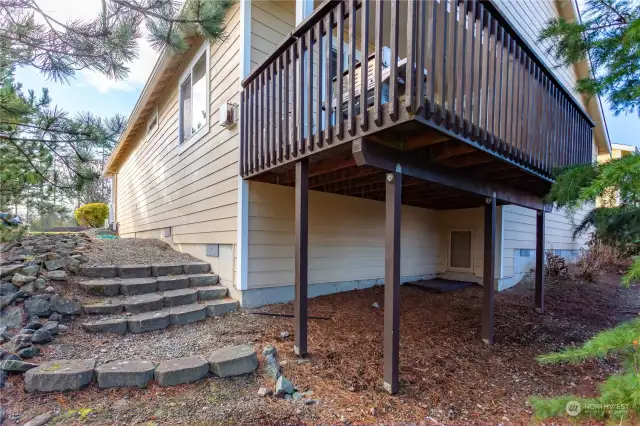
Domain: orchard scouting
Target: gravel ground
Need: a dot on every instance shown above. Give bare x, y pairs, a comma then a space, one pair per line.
131, 251
199, 338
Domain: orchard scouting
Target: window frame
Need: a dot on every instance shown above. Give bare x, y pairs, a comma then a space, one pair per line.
186, 141
471, 254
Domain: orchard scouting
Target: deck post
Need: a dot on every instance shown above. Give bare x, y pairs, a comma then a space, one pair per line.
539, 298
302, 258
393, 190
489, 269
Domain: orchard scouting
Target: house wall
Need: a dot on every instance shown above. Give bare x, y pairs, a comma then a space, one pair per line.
192, 189
529, 17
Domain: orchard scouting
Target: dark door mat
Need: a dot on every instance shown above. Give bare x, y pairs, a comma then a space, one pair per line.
439, 285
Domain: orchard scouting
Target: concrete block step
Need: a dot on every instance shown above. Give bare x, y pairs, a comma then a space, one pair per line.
233, 361
211, 292
219, 307
143, 303
119, 374
103, 306
156, 301
181, 370
180, 297
185, 314
148, 321
135, 286
60, 375
145, 271
176, 282
202, 280
116, 325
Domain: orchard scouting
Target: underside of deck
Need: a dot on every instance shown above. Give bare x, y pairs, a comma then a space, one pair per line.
442, 172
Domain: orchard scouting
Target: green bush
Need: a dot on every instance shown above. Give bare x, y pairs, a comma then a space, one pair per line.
11, 234
92, 214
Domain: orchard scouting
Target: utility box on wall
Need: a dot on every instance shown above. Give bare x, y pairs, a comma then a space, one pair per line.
213, 250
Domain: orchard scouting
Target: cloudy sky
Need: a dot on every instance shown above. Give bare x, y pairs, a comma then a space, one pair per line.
91, 91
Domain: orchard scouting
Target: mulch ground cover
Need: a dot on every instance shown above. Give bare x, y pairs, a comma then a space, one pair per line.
448, 376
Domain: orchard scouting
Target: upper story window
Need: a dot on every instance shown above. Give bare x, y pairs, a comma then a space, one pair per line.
194, 97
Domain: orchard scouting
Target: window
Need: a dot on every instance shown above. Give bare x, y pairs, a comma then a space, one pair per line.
461, 250
194, 98
152, 123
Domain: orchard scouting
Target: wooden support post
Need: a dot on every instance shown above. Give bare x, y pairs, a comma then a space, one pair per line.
540, 262
393, 189
302, 258
489, 269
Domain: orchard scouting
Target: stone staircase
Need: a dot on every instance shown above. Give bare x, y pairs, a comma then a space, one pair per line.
141, 298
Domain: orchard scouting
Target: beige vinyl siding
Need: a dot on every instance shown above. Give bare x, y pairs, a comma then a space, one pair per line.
271, 22
193, 188
346, 238
529, 17
520, 232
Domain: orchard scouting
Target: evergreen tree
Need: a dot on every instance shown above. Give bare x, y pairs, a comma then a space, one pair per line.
608, 34
47, 155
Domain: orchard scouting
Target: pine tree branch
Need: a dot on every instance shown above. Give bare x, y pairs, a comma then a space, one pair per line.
35, 168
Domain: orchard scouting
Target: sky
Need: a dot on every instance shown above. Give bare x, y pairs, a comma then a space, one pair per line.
91, 91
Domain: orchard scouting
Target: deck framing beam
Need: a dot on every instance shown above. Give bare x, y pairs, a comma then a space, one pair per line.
369, 153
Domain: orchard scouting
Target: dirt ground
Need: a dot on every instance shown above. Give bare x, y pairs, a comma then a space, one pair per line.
448, 376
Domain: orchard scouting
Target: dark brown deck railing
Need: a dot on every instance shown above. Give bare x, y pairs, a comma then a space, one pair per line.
472, 77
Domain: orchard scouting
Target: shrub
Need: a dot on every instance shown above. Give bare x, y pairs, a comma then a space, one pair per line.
12, 234
555, 265
92, 214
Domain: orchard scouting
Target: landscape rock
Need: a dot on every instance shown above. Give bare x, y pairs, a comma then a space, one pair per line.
55, 317
33, 325
10, 298
181, 370
16, 366
38, 306
12, 317
41, 337
233, 361
40, 283
41, 420
62, 328
58, 276
54, 264
60, 375
29, 352
65, 306
264, 392
284, 386
28, 289
7, 288
51, 327
284, 334
31, 270
72, 264
125, 374
271, 367
10, 269
296, 396
19, 280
